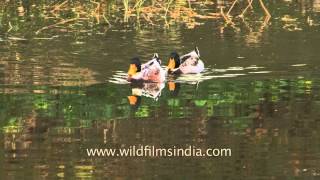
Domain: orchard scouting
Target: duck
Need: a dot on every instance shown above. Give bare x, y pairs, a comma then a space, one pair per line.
189, 63
150, 71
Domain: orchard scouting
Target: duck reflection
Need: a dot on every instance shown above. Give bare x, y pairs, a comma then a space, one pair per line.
139, 89
174, 88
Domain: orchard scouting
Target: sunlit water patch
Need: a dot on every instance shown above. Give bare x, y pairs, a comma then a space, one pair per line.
298, 65
254, 67
119, 77
259, 72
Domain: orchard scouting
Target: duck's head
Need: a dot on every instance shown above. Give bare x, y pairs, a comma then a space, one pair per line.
174, 61
135, 67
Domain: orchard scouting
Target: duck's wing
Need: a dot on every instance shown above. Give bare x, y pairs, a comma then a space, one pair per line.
145, 65
184, 58
191, 55
150, 64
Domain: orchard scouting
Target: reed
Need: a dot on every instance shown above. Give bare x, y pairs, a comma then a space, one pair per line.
138, 7
126, 10
166, 12
71, 14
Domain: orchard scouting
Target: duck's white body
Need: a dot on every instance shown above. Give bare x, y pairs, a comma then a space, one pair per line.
192, 66
151, 71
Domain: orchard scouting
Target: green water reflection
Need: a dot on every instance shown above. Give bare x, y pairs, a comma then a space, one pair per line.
271, 125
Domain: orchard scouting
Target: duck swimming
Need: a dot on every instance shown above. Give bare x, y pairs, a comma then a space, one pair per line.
187, 64
150, 71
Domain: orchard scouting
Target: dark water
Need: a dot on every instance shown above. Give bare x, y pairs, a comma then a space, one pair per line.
259, 96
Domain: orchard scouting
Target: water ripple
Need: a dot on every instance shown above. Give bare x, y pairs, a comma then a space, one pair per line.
120, 77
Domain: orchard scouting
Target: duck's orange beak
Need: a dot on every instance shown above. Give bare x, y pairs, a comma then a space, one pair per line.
132, 70
132, 100
172, 86
171, 64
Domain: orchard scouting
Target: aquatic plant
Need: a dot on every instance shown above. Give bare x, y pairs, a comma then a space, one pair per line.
70, 15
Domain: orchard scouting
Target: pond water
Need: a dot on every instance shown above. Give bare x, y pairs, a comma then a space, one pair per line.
61, 93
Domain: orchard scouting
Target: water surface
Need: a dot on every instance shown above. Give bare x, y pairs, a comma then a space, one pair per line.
259, 96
